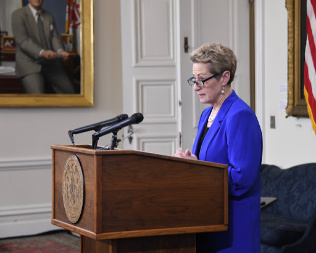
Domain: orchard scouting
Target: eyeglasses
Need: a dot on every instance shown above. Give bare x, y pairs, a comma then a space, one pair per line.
199, 83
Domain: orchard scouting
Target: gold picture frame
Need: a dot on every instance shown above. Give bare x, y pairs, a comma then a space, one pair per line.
8, 43
86, 96
296, 103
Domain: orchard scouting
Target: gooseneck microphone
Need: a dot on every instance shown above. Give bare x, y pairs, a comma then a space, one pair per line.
96, 126
134, 119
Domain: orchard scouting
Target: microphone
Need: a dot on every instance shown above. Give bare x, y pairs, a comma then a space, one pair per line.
96, 126
134, 119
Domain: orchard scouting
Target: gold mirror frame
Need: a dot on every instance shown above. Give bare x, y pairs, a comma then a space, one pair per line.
296, 104
86, 97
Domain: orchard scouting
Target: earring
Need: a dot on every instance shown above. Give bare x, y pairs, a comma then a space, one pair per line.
223, 90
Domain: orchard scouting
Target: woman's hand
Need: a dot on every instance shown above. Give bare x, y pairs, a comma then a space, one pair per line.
187, 154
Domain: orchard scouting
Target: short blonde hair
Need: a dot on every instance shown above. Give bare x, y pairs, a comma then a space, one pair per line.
220, 57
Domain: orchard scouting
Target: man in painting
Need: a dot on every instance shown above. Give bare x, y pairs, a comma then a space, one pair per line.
39, 50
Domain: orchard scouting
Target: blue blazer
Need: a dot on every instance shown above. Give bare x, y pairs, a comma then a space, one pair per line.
235, 139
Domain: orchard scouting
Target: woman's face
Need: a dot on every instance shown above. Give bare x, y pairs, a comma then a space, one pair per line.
211, 91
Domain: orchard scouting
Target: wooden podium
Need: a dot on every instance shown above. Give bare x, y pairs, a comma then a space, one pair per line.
133, 201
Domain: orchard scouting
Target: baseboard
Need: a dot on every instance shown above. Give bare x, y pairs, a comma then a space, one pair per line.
25, 220
26, 228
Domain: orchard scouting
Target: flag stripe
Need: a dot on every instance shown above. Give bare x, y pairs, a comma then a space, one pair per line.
310, 62
310, 99
313, 6
310, 44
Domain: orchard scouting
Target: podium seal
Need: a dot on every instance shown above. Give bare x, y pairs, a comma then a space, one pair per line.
73, 188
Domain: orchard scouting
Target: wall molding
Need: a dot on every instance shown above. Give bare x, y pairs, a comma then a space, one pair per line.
37, 209
25, 164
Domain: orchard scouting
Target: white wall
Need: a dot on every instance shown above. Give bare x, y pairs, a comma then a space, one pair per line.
293, 141
27, 133
6, 8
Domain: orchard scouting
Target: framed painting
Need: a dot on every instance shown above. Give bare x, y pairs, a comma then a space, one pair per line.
8, 43
68, 42
11, 90
296, 104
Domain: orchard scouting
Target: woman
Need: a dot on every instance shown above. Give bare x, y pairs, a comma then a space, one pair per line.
228, 133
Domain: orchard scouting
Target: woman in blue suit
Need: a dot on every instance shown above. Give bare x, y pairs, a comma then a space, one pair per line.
228, 133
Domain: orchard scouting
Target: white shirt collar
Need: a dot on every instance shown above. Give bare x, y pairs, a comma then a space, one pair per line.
33, 11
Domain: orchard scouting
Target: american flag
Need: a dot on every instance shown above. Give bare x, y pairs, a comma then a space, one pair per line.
73, 21
310, 62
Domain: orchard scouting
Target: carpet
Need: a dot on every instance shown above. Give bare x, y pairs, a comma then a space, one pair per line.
51, 242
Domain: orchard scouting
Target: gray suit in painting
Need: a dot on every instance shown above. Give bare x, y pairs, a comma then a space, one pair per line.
34, 71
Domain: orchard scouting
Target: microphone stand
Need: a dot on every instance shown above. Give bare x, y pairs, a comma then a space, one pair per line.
115, 141
71, 136
95, 140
